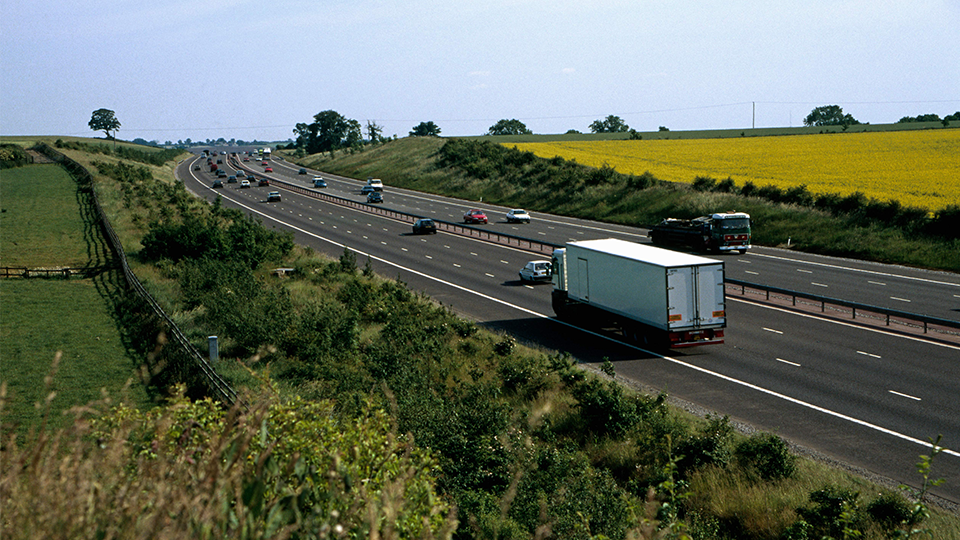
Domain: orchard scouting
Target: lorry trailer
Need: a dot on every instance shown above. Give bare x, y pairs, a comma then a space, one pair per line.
728, 231
655, 297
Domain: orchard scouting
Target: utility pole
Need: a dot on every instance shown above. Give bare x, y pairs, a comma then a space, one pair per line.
754, 124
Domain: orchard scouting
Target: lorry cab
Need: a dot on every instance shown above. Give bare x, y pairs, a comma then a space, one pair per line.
731, 231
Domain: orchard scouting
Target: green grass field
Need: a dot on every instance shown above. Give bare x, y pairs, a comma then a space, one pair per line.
42, 317
44, 224
41, 220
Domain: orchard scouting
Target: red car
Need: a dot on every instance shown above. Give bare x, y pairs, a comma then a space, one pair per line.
475, 216
268, 169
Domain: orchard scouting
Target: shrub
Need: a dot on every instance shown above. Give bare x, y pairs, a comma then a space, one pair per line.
11, 155
889, 510
835, 513
704, 183
767, 455
605, 408
711, 446
945, 223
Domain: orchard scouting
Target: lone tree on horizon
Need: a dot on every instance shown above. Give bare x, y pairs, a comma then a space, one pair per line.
105, 121
509, 127
829, 115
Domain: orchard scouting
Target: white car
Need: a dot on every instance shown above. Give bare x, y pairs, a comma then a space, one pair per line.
518, 216
244, 183
375, 183
536, 271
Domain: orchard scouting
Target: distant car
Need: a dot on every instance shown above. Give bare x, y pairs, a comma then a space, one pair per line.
374, 197
218, 183
244, 184
245, 158
231, 177
302, 171
219, 162
263, 182
367, 189
264, 163
474, 216
375, 183
535, 271
268, 169
319, 182
424, 226
273, 196
196, 167
221, 173
241, 174
518, 216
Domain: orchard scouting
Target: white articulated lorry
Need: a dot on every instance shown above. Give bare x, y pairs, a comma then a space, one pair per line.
655, 296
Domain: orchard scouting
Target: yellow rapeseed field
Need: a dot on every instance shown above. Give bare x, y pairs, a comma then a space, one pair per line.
916, 168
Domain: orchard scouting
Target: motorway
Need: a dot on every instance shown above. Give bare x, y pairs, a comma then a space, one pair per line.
865, 397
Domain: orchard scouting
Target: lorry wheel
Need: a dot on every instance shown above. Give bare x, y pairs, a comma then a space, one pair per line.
743, 252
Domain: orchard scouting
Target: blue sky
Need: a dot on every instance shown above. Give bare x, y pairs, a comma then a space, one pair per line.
173, 69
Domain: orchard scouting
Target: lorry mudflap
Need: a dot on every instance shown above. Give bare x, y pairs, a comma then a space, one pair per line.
695, 338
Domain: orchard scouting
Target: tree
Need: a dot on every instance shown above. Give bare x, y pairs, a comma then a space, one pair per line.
374, 132
919, 118
509, 127
425, 129
829, 115
328, 131
105, 121
611, 124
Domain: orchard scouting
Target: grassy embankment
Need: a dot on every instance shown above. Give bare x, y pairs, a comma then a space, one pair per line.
521, 437
548, 185
45, 225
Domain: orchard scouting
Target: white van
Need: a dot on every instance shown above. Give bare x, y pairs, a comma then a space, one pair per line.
375, 183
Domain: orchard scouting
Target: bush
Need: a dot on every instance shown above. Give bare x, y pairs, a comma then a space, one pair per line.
945, 223
11, 155
835, 513
767, 455
605, 408
889, 510
711, 446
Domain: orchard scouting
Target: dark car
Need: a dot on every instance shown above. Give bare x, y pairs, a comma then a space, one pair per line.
302, 171
221, 173
374, 197
231, 179
319, 182
263, 182
218, 183
366, 190
474, 216
424, 226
